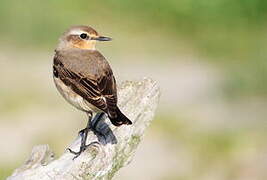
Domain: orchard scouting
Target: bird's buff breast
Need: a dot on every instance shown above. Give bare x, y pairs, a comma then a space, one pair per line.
73, 98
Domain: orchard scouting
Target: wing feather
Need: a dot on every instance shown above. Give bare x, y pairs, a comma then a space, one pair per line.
99, 91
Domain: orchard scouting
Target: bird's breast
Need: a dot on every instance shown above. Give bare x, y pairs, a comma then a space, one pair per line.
73, 98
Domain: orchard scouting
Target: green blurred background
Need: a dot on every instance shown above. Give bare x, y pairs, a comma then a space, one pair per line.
209, 58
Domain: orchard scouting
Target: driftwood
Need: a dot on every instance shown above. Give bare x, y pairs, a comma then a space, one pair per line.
138, 100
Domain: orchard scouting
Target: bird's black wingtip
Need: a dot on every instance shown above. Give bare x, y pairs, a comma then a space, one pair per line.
120, 119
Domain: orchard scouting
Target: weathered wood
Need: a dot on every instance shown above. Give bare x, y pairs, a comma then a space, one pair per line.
138, 100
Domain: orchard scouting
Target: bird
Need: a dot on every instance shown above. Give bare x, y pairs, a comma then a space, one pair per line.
85, 79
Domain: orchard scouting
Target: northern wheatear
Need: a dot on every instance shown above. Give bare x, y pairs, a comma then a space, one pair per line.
84, 78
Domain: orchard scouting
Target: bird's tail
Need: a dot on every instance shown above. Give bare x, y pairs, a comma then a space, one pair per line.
120, 119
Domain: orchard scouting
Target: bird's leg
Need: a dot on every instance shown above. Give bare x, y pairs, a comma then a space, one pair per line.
84, 133
96, 119
94, 123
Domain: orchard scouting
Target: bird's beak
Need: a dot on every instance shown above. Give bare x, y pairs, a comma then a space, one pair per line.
102, 38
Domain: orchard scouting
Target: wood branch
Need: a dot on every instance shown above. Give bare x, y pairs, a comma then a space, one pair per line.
138, 100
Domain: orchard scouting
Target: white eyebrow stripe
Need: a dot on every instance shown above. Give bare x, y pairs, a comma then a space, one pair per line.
77, 32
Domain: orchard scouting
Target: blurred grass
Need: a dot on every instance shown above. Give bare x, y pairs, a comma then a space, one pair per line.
220, 27
210, 144
6, 171
221, 147
246, 79
230, 33
12, 102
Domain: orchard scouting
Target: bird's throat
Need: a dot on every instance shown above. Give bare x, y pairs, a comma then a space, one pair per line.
86, 45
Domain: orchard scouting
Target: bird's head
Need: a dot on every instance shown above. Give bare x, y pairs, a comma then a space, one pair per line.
82, 37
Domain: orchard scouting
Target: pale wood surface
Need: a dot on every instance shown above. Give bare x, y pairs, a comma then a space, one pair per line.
138, 100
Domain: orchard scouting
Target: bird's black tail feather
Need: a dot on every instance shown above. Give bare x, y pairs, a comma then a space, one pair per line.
120, 119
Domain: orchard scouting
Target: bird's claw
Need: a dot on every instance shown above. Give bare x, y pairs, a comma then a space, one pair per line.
82, 149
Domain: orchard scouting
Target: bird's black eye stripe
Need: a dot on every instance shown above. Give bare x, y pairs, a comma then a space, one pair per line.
83, 36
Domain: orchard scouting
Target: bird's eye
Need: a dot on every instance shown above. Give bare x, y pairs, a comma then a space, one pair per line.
83, 36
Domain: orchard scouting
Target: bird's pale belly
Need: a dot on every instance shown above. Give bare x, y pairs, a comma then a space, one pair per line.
73, 98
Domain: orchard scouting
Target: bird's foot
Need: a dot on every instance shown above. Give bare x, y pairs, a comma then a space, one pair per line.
94, 130
94, 124
99, 134
82, 149
81, 132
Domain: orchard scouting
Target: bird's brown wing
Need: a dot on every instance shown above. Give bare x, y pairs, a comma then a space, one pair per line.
107, 87
99, 90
